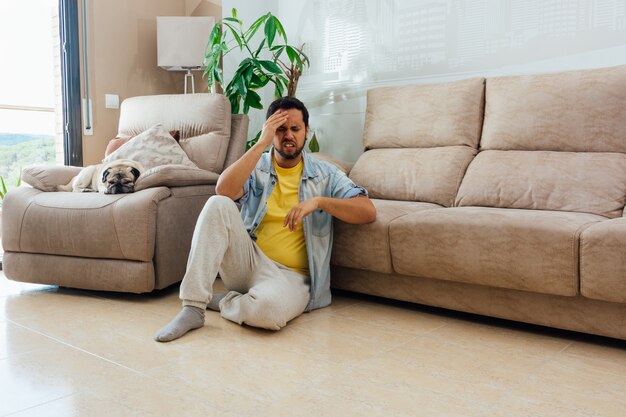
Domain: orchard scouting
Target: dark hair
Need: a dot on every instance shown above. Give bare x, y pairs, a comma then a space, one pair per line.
287, 103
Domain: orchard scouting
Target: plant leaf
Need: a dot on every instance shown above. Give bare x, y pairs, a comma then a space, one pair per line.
216, 35
302, 55
218, 76
253, 100
278, 51
279, 90
258, 50
3, 186
314, 145
235, 35
240, 84
270, 30
250, 143
277, 47
234, 103
283, 79
279, 28
271, 67
258, 80
232, 19
293, 55
234, 13
254, 27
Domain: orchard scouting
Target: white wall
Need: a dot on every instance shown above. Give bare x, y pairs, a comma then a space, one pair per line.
355, 45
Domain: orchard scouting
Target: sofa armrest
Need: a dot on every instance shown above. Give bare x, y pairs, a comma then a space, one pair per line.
48, 177
343, 166
175, 176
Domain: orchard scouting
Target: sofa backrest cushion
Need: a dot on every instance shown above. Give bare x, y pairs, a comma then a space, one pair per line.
203, 120
584, 182
428, 174
425, 115
419, 140
574, 111
552, 142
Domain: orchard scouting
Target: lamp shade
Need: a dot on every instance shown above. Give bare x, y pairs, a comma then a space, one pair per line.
181, 41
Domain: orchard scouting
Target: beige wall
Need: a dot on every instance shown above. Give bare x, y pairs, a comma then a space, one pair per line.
123, 61
203, 8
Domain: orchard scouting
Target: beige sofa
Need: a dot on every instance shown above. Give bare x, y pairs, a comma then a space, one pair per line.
124, 242
501, 196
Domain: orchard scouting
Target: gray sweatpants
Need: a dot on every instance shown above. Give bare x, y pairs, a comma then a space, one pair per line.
262, 293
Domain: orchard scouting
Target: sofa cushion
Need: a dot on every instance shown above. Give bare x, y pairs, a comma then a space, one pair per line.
527, 250
203, 120
421, 174
603, 261
579, 111
570, 181
174, 176
91, 225
366, 246
425, 115
49, 177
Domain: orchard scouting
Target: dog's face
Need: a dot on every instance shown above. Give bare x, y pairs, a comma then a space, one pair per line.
119, 177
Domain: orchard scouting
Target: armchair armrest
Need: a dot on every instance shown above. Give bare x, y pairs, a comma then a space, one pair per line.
48, 177
175, 176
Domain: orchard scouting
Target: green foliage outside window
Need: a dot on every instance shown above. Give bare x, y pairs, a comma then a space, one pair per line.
17, 151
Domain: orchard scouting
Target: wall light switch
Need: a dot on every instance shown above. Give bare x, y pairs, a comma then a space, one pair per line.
111, 101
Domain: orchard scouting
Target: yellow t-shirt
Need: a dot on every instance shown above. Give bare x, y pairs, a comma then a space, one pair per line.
276, 241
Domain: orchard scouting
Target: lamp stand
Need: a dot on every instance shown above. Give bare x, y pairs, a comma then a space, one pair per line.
188, 76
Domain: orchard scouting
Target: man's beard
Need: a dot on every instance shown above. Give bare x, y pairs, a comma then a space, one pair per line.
291, 156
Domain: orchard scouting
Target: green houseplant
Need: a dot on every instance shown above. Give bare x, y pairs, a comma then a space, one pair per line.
264, 62
3, 186
3, 192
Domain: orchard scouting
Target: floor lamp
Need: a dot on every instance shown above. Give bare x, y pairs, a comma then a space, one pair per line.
181, 41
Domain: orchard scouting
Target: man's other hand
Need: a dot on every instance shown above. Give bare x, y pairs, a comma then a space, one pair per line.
299, 212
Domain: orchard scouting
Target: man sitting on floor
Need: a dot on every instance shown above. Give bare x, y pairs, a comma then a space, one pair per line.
274, 255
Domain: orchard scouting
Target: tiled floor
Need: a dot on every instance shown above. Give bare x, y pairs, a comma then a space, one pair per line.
77, 353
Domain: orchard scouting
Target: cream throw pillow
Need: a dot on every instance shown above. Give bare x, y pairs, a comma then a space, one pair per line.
152, 148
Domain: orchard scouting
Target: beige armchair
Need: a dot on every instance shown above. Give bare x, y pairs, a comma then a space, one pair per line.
124, 242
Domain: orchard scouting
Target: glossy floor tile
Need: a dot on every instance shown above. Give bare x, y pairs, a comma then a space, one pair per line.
67, 352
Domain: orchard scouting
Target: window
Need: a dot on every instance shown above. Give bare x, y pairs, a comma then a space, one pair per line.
30, 86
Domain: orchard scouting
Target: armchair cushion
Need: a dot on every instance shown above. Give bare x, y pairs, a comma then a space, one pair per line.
88, 225
175, 176
153, 147
47, 177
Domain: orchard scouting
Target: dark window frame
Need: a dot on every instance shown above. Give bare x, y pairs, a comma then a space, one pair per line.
70, 82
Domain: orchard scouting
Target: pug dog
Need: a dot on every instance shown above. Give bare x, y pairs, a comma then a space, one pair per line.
115, 177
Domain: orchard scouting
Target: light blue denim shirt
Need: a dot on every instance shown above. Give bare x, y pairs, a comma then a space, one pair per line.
319, 178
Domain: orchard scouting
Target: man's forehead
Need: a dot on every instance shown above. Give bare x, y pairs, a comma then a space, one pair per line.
295, 116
